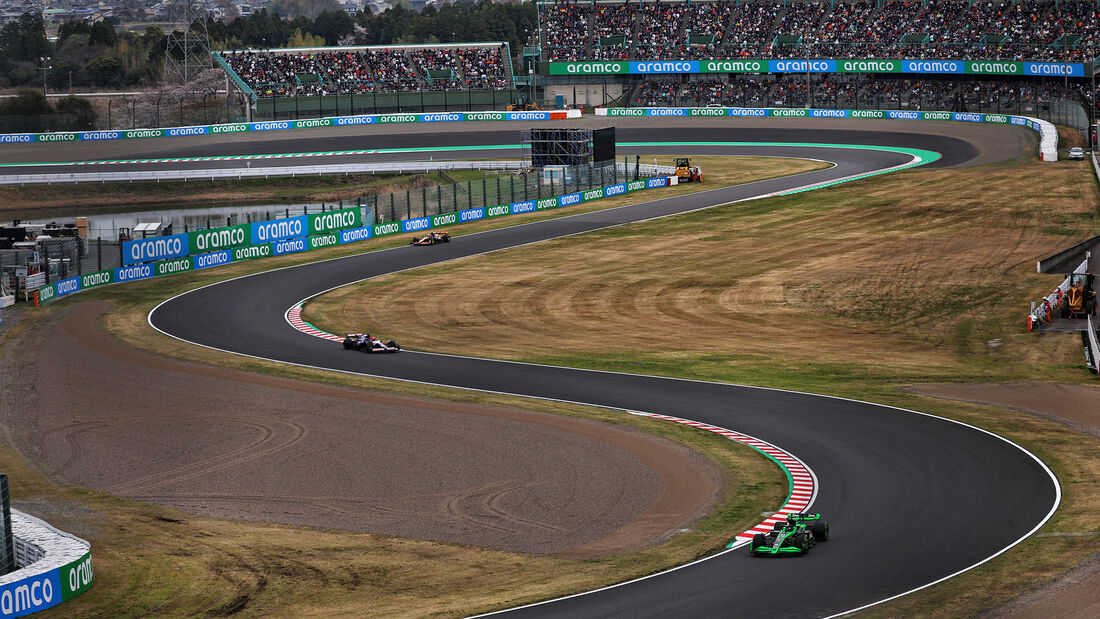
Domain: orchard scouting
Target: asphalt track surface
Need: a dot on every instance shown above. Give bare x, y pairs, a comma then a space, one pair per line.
953, 151
911, 499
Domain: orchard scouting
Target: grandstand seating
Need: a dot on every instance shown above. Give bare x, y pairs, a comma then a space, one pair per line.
331, 71
1044, 30
1011, 96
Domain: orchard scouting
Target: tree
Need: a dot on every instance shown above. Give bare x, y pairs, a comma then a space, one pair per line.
28, 102
304, 40
104, 71
102, 33
331, 25
31, 43
75, 114
70, 28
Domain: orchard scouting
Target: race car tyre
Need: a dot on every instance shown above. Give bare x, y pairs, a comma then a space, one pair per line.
779, 525
392, 344
800, 542
348, 345
757, 542
820, 531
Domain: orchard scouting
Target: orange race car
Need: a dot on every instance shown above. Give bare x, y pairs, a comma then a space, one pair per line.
431, 239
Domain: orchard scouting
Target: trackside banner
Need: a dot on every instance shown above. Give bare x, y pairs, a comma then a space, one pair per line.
281, 125
43, 590
849, 65
288, 236
258, 234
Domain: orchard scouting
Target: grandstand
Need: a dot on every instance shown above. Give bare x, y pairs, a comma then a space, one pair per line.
327, 81
856, 92
1020, 57
1023, 57
1045, 30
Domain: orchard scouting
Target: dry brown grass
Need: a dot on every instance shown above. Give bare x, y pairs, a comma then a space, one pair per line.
920, 267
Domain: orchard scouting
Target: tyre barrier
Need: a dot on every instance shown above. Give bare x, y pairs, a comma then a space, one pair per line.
53, 566
1048, 134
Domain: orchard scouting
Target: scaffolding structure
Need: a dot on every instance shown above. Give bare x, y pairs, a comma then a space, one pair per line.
555, 147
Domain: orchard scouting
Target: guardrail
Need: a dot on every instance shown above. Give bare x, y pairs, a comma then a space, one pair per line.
1095, 166
54, 566
280, 125
1046, 265
1048, 140
402, 167
1092, 347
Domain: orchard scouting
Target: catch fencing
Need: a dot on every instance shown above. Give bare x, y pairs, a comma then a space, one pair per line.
531, 185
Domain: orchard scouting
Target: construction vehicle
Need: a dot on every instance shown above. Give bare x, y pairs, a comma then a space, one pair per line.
686, 173
522, 107
1080, 297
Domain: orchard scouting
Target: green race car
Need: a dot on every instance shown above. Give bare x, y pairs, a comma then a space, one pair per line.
793, 536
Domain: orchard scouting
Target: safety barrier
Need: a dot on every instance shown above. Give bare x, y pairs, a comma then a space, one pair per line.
280, 125
1092, 347
1043, 311
1048, 264
1048, 134
203, 249
54, 566
1095, 166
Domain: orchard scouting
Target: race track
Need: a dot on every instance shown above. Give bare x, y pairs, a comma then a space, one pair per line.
910, 498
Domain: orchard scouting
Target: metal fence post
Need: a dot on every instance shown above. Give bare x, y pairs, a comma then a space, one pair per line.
99, 253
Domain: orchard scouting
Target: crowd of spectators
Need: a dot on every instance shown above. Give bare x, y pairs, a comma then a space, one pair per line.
612, 22
854, 91
565, 29
1052, 30
289, 72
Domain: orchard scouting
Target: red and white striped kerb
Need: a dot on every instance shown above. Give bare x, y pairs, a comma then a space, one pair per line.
803, 482
294, 317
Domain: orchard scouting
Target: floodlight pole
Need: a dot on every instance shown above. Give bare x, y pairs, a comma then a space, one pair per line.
44, 60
